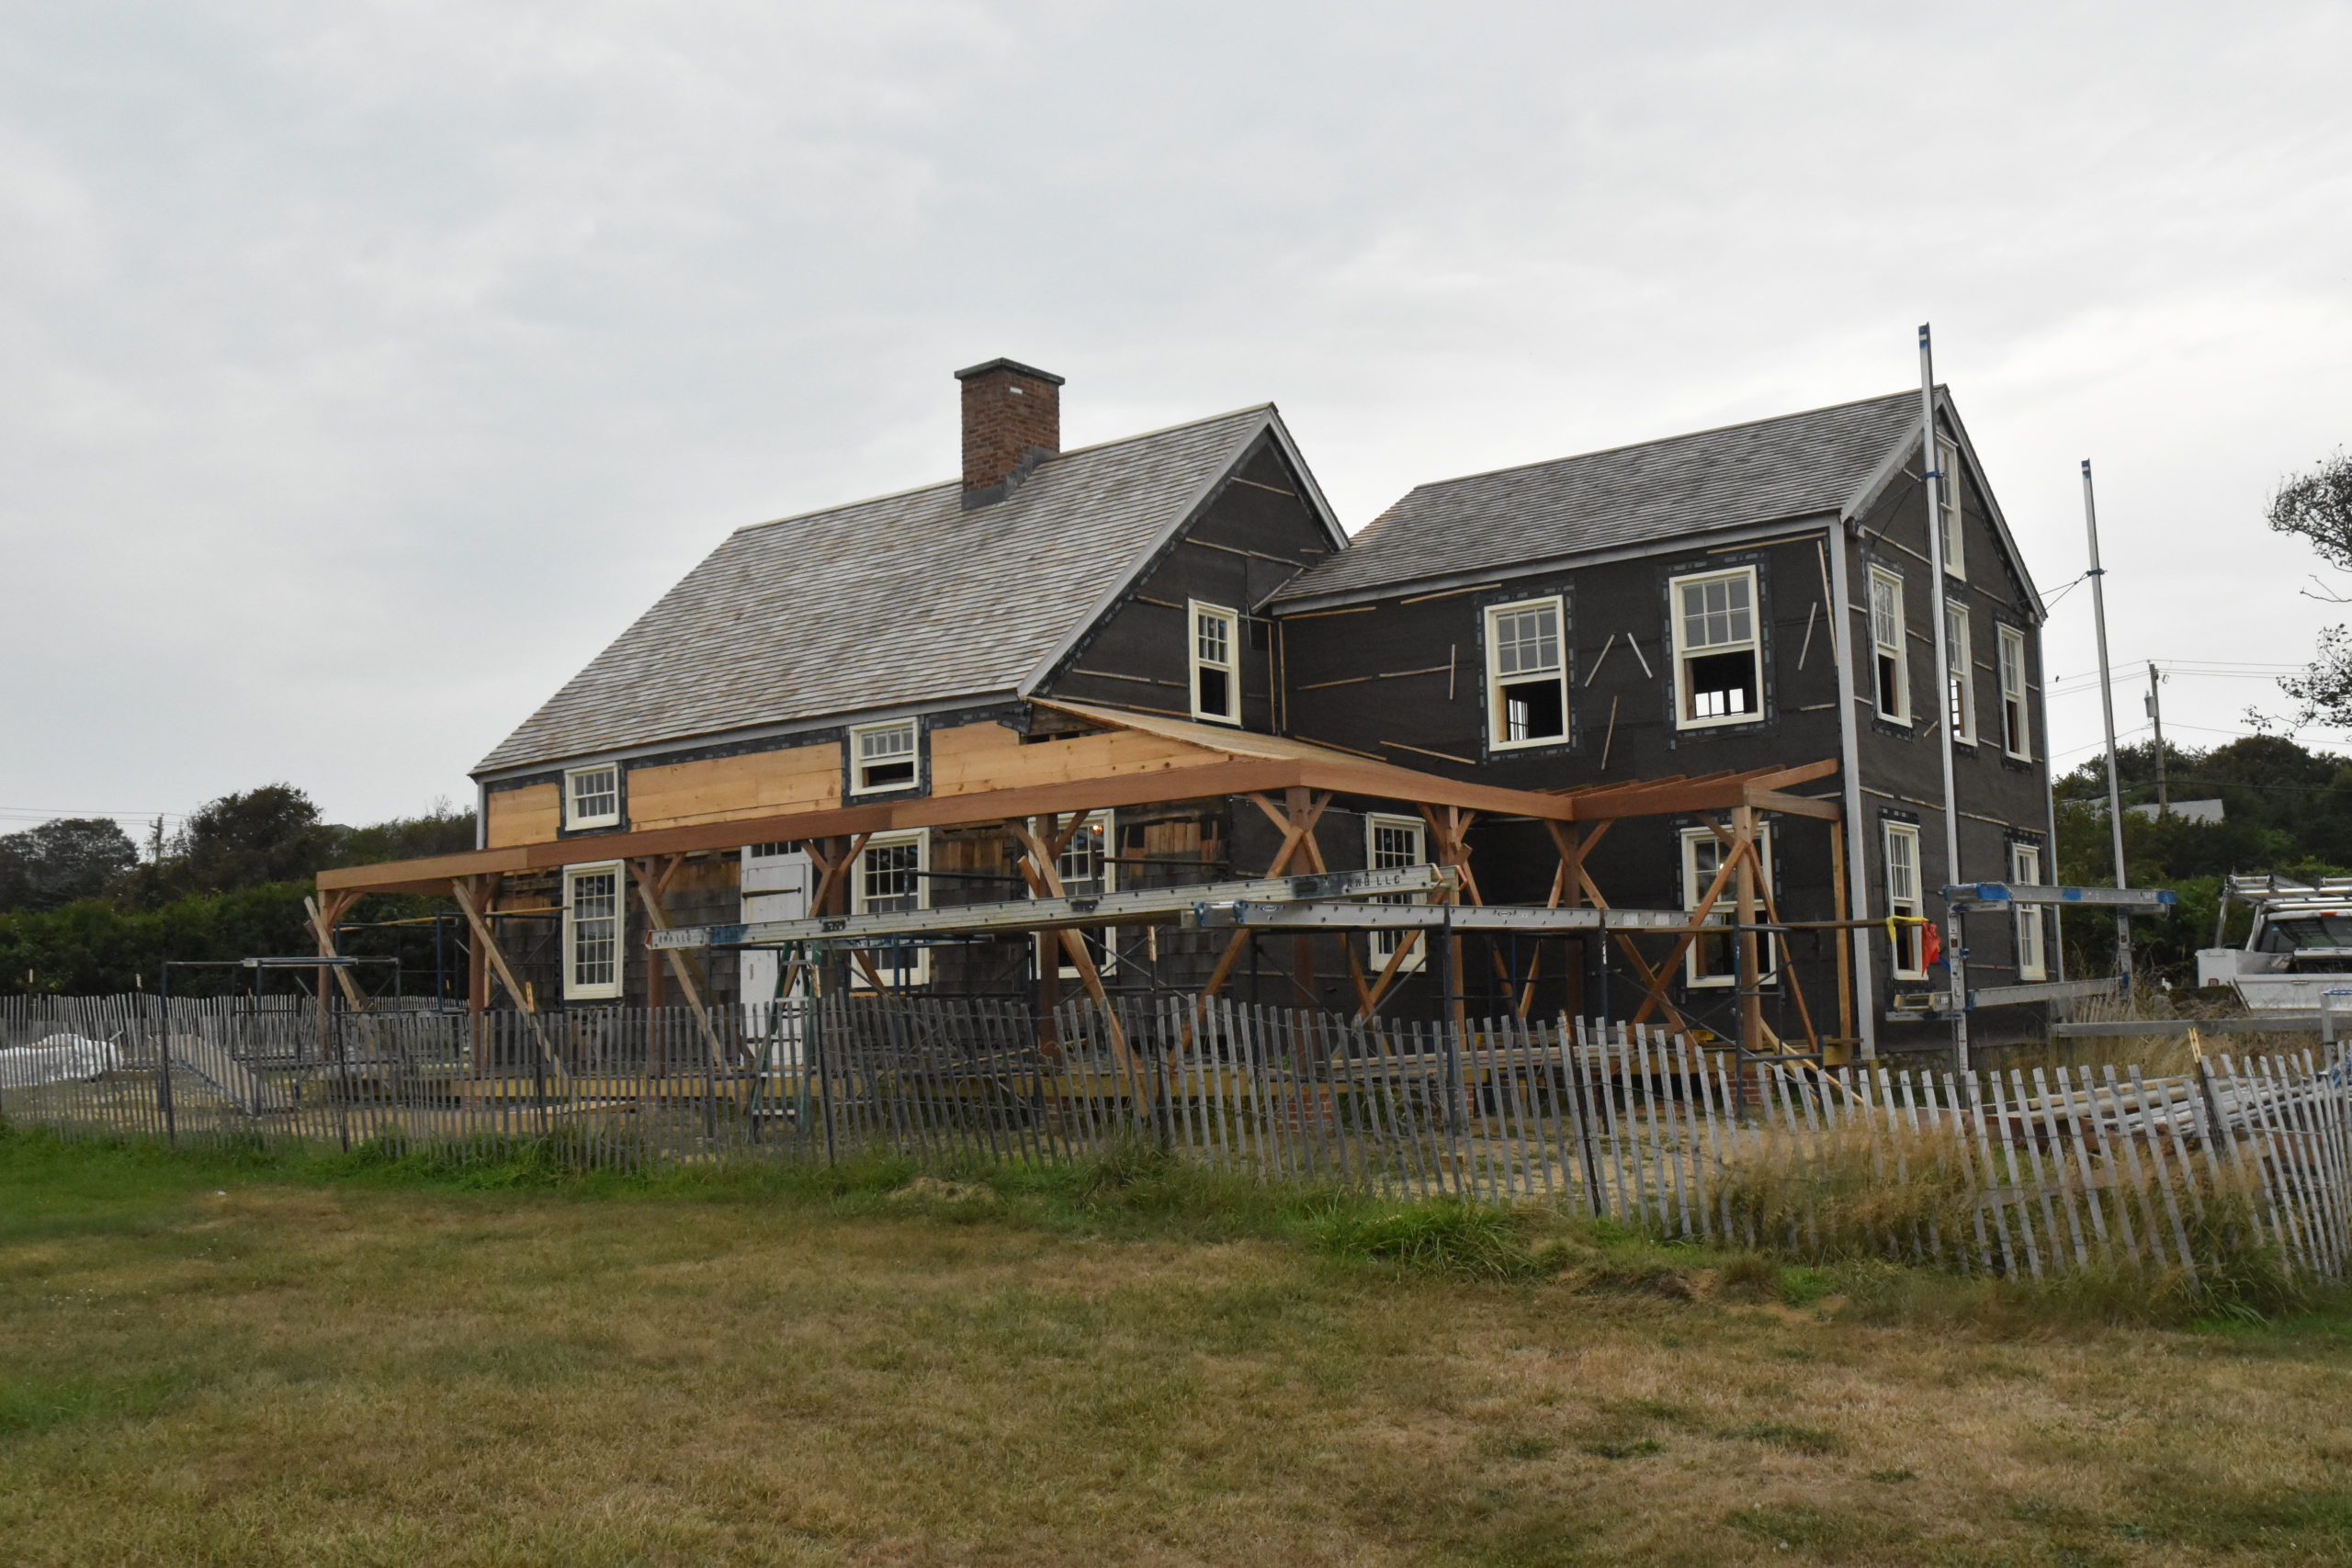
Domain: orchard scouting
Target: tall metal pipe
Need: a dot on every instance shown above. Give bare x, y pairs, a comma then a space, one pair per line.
1955, 953
2097, 575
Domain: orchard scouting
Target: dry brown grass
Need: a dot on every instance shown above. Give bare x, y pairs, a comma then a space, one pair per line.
327, 1376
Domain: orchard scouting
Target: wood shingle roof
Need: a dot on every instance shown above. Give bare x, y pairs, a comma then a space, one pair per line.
902, 600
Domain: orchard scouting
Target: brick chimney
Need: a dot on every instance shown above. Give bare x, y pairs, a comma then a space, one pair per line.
1013, 422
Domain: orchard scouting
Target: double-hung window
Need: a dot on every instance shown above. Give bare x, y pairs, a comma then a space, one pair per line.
592, 932
1717, 657
1948, 504
1959, 681
1390, 842
1714, 960
591, 797
888, 880
1527, 679
1088, 867
1216, 662
2017, 737
1890, 668
2025, 868
1902, 900
884, 756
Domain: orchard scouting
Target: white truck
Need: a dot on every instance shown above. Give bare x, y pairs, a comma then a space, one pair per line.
2299, 948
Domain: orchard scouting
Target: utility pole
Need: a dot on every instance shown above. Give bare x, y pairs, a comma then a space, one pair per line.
2156, 716
2097, 575
1955, 953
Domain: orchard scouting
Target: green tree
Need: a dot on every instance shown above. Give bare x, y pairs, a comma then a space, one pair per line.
2317, 508
2287, 809
61, 861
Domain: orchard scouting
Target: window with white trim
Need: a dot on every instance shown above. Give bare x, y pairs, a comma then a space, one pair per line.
889, 878
1390, 842
1718, 658
1948, 504
1959, 675
884, 756
2017, 734
591, 797
1714, 960
2025, 868
1527, 678
1216, 662
1088, 867
1889, 669
1902, 900
592, 932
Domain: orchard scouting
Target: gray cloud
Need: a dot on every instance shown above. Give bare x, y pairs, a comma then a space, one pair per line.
370, 367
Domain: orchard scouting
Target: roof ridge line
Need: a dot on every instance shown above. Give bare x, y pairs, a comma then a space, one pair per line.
1656, 441
942, 484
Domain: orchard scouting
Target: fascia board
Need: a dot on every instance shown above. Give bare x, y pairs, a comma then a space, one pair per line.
1898, 461
1730, 534
1297, 460
1185, 518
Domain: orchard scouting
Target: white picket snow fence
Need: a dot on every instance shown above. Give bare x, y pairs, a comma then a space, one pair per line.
2034, 1172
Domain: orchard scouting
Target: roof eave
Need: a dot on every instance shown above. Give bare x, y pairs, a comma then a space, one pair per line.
1444, 582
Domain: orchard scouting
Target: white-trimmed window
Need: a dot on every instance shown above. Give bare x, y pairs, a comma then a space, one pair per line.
591, 797
889, 878
1718, 659
1714, 960
1902, 900
1948, 504
1088, 867
2025, 867
1390, 842
592, 932
884, 756
1216, 662
2016, 732
1889, 669
1959, 675
1527, 678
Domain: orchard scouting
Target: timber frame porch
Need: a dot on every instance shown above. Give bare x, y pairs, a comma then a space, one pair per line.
1292, 782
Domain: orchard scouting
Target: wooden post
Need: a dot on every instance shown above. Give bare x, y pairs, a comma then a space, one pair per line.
1844, 938
477, 918
649, 892
477, 981
1751, 997
1040, 866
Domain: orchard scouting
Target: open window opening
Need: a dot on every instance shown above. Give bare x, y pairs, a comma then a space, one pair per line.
1714, 960
1391, 842
591, 797
2017, 737
1216, 677
592, 932
2025, 867
1890, 680
1527, 685
889, 879
1718, 656
1902, 900
1960, 685
1948, 504
884, 756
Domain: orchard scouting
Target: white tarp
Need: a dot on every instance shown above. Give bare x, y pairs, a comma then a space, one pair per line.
61, 1058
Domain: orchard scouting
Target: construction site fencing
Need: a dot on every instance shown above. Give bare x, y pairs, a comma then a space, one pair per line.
2024, 1172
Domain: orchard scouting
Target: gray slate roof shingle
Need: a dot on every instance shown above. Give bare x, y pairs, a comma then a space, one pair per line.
1793, 465
903, 599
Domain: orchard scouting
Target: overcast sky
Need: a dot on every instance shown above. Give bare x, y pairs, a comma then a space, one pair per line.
368, 367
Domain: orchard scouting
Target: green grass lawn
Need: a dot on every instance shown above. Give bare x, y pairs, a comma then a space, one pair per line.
204, 1360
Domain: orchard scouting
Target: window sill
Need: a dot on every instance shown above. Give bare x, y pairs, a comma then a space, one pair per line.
1728, 722
1538, 744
